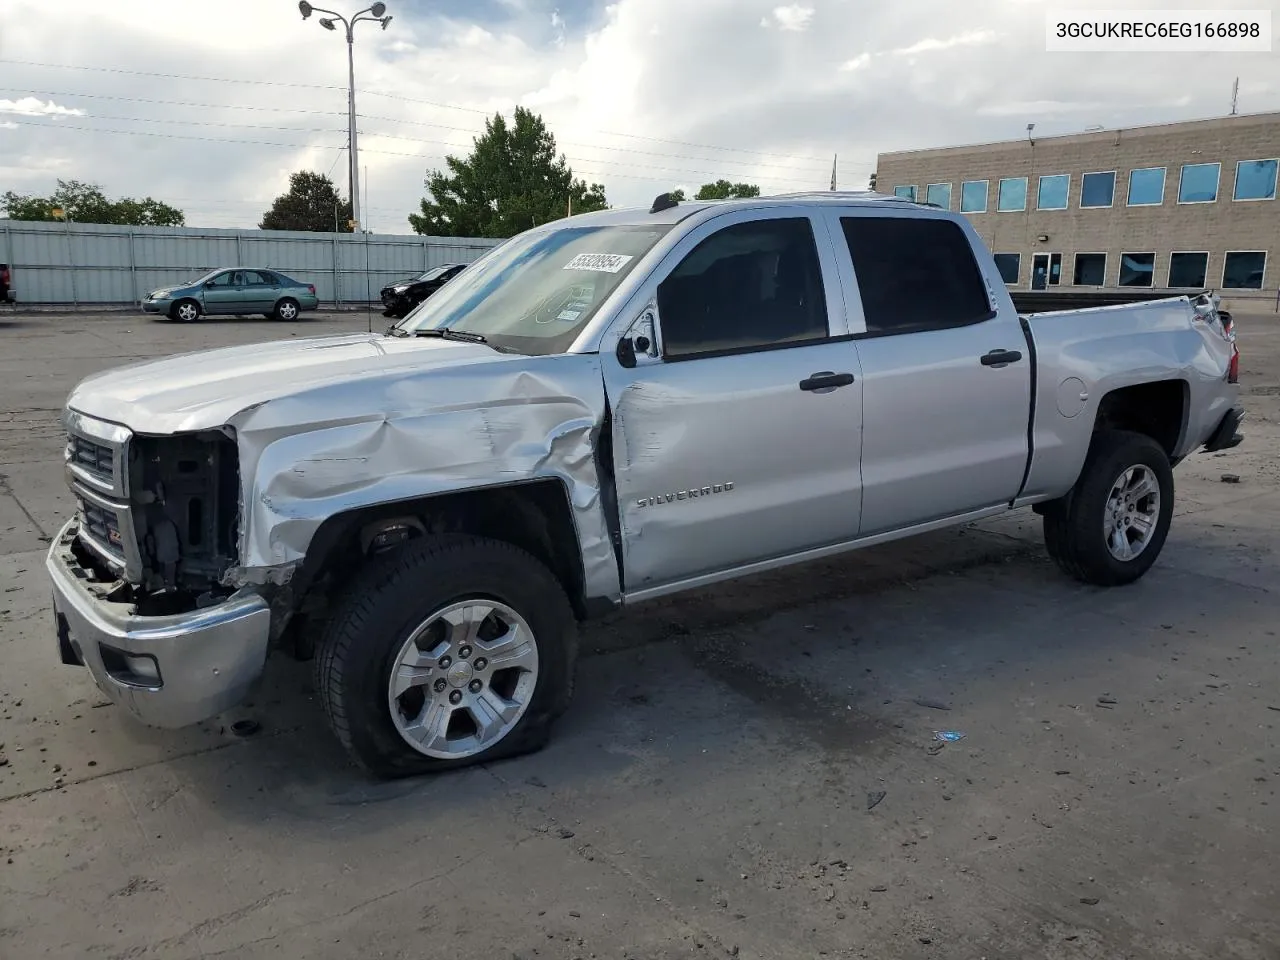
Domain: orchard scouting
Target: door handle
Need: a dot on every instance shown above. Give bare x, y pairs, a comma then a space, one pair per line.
1000, 358
826, 380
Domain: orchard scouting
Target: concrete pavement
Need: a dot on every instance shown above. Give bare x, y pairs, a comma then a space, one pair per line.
715, 789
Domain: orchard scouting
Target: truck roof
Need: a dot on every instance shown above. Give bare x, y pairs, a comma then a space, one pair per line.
686, 208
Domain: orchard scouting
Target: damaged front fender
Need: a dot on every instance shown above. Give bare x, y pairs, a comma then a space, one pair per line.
342, 446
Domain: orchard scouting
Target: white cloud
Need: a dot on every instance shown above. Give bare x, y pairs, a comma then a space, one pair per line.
793, 17
969, 38
33, 107
715, 96
1038, 108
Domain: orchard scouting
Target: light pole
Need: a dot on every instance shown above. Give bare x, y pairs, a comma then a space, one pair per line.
61, 213
377, 15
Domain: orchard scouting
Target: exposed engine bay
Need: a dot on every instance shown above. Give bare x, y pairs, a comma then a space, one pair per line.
184, 492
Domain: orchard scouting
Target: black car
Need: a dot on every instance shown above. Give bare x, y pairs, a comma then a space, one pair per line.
402, 296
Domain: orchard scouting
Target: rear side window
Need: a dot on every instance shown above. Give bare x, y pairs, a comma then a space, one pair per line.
915, 274
746, 287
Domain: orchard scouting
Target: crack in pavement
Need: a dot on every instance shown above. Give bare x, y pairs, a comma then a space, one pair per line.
8, 490
150, 763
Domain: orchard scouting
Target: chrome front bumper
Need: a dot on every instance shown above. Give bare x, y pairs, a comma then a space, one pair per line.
169, 671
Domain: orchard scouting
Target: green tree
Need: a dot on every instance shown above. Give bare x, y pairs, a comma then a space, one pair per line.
872, 184
724, 190
311, 203
87, 203
720, 190
513, 180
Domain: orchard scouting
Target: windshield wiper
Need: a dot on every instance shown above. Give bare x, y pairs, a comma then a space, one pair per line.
444, 333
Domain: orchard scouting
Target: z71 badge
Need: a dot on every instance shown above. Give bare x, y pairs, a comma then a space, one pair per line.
685, 494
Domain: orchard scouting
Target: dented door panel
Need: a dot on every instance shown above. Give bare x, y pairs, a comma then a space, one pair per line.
724, 461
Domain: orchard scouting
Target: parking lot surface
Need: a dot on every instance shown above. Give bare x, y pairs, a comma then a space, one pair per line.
750, 771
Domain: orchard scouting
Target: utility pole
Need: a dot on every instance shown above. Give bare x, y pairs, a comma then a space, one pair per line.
1235, 95
377, 14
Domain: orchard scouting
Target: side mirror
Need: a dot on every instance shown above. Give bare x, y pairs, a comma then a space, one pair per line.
626, 352
641, 340
209, 284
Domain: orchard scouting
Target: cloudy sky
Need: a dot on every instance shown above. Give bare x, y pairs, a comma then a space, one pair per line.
210, 106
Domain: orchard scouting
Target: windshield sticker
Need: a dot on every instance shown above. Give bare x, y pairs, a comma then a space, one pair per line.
569, 315
599, 262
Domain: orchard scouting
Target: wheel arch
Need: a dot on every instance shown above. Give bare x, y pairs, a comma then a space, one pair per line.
1158, 409
534, 515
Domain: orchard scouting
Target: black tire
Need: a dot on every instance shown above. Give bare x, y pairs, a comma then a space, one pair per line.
1074, 526
189, 307
397, 592
287, 309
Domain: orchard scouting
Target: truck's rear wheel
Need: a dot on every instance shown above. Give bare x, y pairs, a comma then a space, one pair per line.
447, 652
1112, 526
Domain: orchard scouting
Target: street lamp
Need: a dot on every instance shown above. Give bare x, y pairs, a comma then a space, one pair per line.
376, 14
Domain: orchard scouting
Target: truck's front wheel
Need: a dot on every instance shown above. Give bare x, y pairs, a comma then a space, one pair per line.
1112, 526
445, 653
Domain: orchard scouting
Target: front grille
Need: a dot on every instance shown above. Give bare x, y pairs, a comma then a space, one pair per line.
102, 526
98, 474
97, 459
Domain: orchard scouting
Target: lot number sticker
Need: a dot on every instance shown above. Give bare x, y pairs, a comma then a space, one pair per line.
599, 262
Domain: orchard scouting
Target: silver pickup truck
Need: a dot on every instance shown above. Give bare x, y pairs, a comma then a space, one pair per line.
602, 410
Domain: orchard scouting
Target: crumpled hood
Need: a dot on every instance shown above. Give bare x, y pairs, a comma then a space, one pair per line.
206, 389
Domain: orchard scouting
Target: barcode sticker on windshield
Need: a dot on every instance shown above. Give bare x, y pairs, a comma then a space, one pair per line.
599, 262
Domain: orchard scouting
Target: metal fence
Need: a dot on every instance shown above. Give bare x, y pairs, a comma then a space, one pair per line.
84, 264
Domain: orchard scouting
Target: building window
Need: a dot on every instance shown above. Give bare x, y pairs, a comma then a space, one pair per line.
1188, 269
973, 196
1146, 187
1137, 269
1008, 264
1243, 270
939, 193
1053, 192
1012, 195
1098, 189
1091, 269
1256, 180
1199, 182
906, 193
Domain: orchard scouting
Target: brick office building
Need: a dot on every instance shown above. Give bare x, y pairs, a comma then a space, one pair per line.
1173, 206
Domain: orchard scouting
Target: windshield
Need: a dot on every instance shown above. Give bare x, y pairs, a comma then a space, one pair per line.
200, 279
536, 292
432, 273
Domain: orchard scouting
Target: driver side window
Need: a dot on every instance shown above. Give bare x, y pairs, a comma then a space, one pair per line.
222, 280
747, 287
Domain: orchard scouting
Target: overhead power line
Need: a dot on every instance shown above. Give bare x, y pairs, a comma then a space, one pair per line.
593, 146
582, 167
611, 133
470, 131
173, 103
580, 160
170, 136
390, 96
174, 76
